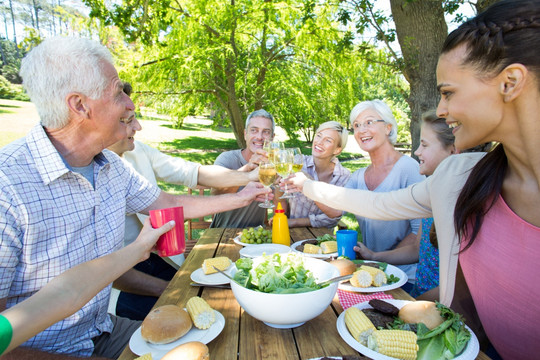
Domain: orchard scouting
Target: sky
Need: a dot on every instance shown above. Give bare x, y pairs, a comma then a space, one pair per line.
384, 5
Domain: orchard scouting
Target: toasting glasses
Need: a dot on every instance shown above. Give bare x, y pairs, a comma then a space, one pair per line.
284, 162
267, 176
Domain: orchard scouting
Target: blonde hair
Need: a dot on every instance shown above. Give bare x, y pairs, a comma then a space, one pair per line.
334, 125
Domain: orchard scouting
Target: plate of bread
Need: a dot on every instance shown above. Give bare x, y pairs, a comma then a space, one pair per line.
207, 275
169, 326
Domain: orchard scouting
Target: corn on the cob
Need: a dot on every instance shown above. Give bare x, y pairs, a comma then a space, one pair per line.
145, 357
328, 247
400, 344
361, 278
221, 262
312, 249
358, 325
201, 313
379, 277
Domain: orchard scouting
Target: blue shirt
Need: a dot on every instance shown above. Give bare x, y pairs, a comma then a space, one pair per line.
381, 235
52, 219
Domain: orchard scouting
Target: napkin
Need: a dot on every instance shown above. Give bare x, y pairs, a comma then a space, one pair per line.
348, 298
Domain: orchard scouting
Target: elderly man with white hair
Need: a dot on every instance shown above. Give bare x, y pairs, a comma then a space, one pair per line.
64, 196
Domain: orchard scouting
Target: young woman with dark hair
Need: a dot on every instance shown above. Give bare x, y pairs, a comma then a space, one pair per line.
485, 207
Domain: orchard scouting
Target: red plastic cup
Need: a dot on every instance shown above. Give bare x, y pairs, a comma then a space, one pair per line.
173, 242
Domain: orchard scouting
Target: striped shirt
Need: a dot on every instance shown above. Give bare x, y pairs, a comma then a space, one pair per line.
52, 219
302, 207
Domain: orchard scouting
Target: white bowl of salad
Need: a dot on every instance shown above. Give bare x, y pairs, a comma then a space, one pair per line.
282, 289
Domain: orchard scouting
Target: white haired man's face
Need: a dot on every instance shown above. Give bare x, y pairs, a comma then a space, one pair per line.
109, 115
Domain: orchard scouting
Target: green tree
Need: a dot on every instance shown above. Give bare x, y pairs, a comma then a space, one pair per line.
420, 28
284, 56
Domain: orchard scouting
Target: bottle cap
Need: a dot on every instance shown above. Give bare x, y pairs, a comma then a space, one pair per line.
279, 209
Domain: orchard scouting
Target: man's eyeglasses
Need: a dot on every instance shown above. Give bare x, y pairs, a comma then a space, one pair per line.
368, 124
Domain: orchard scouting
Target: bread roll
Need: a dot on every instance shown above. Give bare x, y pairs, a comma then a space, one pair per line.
192, 350
421, 312
345, 266
165, 324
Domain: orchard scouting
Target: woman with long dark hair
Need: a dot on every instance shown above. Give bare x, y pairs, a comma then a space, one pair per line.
485, 206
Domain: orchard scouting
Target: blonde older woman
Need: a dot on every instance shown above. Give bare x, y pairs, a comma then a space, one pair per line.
375, 131
330, 139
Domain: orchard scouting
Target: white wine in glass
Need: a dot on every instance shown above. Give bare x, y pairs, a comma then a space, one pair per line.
284, 161
267, 176
271, 147
298, 160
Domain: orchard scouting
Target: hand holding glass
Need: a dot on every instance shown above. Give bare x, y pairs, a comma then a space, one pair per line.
271, 147
267, 176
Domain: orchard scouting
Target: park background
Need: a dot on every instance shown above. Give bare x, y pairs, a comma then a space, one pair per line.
199, 67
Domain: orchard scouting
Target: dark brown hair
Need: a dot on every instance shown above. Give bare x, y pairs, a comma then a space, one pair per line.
439, 127
507, 32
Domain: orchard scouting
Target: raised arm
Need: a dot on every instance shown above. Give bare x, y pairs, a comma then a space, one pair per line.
198, 206
68, 292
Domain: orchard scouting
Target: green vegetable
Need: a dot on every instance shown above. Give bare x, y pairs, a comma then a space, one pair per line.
277, 274
447, 340
325, 237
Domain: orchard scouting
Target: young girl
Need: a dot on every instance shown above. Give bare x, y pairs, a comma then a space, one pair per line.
485, 207
436, 144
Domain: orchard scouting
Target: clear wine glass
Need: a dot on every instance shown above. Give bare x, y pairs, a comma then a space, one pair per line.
284, 161
267, 176
298, 160
271, 147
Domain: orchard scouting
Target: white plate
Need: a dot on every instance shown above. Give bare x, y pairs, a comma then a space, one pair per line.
213, 279
268, 249
318, 256
390, 270
237, 241
141, 347
470, 352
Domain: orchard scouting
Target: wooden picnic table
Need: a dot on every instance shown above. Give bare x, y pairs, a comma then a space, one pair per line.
244, 337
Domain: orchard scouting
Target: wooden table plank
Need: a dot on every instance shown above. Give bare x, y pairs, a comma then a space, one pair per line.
223, 300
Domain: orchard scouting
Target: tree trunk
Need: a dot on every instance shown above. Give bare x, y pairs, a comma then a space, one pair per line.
36, 12
13, 22
421, 31
233, 107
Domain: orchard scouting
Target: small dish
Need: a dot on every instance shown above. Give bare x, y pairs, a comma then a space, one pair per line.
390, 270
317, 256
200, 277
141, 347
268, 249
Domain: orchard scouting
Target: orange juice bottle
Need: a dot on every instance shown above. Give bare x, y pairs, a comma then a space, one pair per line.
280, 227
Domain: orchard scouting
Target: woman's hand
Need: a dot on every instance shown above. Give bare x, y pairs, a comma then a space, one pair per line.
295, 182
364, 252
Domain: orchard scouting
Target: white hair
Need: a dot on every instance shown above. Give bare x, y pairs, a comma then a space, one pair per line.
382, 110
334, 125
264, 114
59, 66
